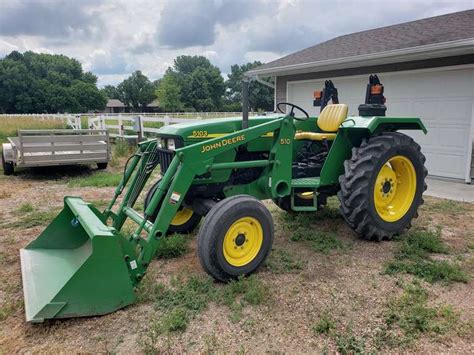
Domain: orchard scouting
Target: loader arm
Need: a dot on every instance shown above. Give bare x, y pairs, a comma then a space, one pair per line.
189, 161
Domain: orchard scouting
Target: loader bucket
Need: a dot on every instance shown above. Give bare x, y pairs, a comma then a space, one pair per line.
76, 267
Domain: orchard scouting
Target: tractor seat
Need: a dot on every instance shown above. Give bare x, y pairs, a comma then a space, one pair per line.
329, 121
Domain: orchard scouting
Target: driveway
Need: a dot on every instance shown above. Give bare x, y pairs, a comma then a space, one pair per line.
452, 190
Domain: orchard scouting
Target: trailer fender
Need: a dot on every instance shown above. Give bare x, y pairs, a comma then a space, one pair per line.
8, 152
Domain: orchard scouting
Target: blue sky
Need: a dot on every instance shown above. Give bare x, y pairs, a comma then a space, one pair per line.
113, 38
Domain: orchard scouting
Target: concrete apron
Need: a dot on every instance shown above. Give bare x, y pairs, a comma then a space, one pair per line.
449, 189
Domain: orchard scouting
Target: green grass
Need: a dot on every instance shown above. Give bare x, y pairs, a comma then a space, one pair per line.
10, 126
447, 206
25, 208
347, 343
33, 219
281, 261
96, 179
172, 246
182, 300
409, 316
320, 241
122, 148
324, 325
413, 256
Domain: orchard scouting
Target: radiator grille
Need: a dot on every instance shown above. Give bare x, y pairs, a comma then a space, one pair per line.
165, 157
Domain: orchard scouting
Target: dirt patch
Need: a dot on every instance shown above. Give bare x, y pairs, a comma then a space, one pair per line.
346, 284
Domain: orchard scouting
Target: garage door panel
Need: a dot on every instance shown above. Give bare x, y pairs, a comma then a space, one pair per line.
443, 100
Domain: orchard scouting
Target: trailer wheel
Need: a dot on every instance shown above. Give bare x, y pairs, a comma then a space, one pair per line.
382, 186
102, 166
235, 238
185, 220
8, 167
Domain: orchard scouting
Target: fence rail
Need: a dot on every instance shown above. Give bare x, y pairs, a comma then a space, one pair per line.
127, 125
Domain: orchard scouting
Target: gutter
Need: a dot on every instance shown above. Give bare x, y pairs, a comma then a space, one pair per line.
463, 46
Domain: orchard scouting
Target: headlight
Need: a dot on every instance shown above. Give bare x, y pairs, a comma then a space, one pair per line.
159, 142
171, 145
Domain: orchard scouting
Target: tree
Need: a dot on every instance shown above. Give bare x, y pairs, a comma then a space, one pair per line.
137, 91
169, 94
201, 84
37, 82
111, 92
260, 95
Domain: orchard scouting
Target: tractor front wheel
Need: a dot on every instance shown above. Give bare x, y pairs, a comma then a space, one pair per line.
184, 221
382, 186
235, 238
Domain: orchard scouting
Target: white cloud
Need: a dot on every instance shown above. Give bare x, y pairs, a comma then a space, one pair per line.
115, 37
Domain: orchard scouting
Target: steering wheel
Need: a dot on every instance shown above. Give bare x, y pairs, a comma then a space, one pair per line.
293, 107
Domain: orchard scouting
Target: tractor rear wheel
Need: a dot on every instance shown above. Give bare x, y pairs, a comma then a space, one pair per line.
185, 220
382, 186
235, 238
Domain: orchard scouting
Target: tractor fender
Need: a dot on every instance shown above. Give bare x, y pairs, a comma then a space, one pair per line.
384, 124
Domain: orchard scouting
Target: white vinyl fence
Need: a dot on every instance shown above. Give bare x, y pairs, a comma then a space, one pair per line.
128, 125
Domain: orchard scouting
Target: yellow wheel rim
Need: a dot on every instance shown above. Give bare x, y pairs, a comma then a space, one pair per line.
243, 241
307, 195
182, 216
395, 188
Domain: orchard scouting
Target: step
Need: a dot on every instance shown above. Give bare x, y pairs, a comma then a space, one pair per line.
305, 182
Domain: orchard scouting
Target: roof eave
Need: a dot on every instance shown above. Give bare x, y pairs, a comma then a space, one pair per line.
444, 49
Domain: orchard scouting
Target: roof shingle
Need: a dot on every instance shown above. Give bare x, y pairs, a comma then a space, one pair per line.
439, 29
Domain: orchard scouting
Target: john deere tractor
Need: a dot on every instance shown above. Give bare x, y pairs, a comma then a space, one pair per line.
214, 173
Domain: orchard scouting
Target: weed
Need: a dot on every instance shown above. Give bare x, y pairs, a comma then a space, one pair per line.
250, 290
413, 257
281, 261
97, 179
122, 148
176, 320
324, 325
348, 343
172, 246
25, 208
408, 316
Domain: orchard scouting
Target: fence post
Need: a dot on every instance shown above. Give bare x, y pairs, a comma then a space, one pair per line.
120, 123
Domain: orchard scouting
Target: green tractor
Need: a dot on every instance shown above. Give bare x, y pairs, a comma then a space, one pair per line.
218, 171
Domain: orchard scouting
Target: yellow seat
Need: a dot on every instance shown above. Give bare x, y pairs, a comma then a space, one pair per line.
329, 121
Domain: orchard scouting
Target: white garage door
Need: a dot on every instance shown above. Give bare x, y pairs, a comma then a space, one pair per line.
443, 99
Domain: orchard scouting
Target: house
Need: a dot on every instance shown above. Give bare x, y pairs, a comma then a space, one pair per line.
115, 106
426, 66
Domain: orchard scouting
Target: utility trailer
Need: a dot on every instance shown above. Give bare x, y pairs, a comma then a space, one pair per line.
35, 148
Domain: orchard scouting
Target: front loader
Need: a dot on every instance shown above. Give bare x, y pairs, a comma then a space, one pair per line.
84, 265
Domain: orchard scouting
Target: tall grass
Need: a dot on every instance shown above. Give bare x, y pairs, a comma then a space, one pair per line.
10, 126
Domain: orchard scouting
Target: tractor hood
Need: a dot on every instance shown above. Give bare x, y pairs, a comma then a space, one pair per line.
198, 130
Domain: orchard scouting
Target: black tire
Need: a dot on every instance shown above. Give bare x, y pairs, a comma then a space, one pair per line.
102, 166
358, 185
8, 167
187, 227
212, 234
